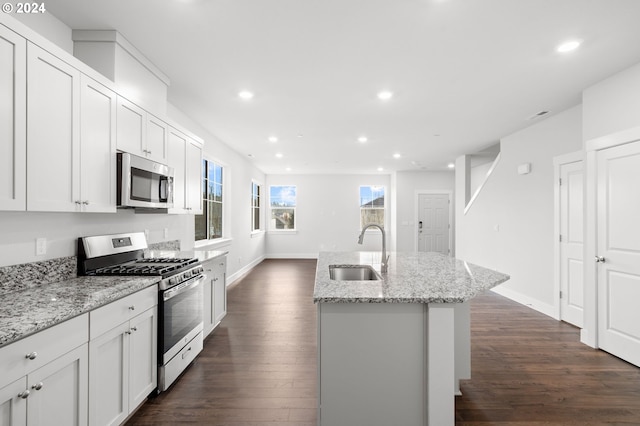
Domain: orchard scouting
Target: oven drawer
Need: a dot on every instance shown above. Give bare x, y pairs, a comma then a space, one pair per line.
105, 318
26, 355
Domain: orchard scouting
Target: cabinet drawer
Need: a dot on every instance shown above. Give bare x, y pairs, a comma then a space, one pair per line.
105, 318
44, 347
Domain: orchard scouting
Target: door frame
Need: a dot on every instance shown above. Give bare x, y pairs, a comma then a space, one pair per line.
558, 161
589, 334
416, 210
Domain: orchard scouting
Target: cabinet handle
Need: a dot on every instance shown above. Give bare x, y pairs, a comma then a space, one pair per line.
215, 279
600, 259
132, 307
24, 394
85, 202
77, 202
134, 328
127, 332
37, 386
32, 355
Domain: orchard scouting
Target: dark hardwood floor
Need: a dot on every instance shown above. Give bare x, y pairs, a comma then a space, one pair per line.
258, 368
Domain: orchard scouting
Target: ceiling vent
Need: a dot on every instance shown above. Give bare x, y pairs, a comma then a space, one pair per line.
538, 115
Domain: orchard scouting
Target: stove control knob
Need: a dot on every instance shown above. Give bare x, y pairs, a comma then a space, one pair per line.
187, 274
172, 281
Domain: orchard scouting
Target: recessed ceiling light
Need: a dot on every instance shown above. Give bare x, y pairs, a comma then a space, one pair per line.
380, 169
245, 94
362, 139
288, 169
451, 165
396, 155
279, 155
385, 95
568, 46
273, 139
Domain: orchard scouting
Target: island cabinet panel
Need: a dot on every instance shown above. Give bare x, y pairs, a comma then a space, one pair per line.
13, 408
372, 364
53, 131
13, 113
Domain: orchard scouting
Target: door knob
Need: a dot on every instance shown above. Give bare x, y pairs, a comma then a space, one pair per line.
600, 259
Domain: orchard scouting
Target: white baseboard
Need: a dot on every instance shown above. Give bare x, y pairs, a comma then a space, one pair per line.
525, 300
292, 256
244, 270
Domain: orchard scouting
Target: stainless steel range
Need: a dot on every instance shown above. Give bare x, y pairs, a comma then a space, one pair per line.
180, 299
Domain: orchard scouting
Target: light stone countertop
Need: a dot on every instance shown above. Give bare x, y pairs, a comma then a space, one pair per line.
201, 255
27, 311
411, 278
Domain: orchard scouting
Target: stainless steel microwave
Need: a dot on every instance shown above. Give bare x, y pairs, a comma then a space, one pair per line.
143, 183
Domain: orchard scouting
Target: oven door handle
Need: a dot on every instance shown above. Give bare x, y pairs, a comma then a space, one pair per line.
181, 288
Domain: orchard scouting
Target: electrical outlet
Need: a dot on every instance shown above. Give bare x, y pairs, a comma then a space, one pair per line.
41, 246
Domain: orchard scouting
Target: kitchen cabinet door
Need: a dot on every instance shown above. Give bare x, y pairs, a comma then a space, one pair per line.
13, 407
143, 358
131, 128
98, 147
157, 135
13, 120
53, 131
109, 377
177, 160
59, 391
220, 289
193, 177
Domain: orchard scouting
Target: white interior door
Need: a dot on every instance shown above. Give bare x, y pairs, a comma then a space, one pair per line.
433, 223
618, 250
571, 243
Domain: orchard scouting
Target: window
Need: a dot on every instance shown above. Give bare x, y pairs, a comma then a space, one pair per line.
209, 223
256, 203
371, 205
283, 207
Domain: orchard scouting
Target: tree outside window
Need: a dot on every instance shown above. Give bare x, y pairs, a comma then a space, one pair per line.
208, 225
371, 205
283, 207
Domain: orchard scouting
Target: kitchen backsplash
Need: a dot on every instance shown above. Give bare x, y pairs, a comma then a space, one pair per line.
27, 275
165, 245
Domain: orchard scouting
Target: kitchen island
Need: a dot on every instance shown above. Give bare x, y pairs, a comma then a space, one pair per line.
392, 349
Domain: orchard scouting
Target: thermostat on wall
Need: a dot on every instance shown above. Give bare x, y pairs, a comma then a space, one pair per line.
524, 168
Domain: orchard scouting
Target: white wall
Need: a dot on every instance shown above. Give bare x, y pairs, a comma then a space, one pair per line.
407, 183
327, 215
510, 225
612, 105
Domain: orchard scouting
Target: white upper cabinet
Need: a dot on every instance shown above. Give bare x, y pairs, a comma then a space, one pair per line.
98, 147
13, 90
185, 156
53, 129
140, 133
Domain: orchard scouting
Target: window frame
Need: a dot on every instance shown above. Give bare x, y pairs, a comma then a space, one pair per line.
206, 160
294, 208
257, 209
383, 207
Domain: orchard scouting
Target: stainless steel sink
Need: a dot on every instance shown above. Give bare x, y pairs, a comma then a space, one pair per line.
353, 273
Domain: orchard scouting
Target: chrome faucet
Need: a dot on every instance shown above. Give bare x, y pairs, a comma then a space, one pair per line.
385, 259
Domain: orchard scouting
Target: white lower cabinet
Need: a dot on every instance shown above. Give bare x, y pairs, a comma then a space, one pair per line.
215, 292
123, 359
46, 382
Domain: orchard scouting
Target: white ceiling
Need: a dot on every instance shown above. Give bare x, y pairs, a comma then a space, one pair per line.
464, 73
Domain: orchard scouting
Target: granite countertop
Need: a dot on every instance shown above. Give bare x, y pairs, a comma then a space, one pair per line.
29, 310
411, 278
